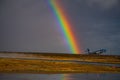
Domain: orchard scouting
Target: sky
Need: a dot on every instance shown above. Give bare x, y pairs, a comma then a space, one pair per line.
29, 25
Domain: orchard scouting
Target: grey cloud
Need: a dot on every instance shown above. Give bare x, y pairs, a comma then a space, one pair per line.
105, 4
96, 23
28, 25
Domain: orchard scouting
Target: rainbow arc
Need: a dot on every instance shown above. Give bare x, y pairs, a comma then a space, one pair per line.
65, 26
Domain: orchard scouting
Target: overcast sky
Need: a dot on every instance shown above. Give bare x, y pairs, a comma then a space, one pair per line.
29, 25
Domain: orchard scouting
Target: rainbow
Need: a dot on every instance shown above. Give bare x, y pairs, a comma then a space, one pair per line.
66, 29
65, 26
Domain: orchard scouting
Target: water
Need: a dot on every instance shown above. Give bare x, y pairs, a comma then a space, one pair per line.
85, 76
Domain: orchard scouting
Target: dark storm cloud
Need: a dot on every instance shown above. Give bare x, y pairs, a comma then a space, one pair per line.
28, 25
105, 4
97, 23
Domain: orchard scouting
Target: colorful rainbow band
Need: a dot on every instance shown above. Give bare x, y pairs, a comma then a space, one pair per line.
65, 26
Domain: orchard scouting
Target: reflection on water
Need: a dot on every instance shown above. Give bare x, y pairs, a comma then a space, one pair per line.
85, 76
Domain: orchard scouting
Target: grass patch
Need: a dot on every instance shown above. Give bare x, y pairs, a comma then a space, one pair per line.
41, 66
